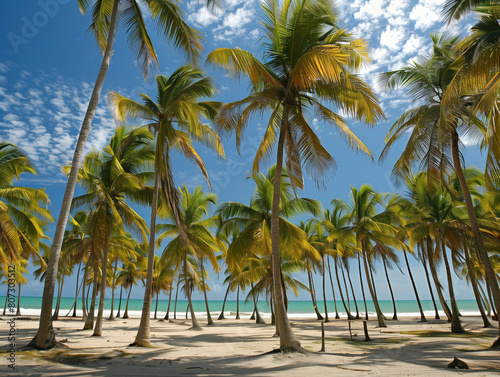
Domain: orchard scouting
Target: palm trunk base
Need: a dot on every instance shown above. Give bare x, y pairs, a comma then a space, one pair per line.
48, 344
496, 344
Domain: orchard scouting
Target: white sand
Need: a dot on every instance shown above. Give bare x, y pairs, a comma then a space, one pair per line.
235, 348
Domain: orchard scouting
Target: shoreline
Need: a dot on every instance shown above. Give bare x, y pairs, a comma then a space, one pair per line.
232, 347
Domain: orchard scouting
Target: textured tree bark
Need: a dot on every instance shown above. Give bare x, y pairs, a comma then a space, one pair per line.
380, 316
176, 296
111, 314
362, 287
353, 294
456, 325
167, 315
473, 283
125, 314
210, 322
424, 263
422, 315
45, 337
288, 341
119, 302
187, 288
395, 315
324, 288
258, 319
89, 323
76, 290
221, 316
348, 312
312, 292
333, 290
104, 272
142, 337
478, 239
432, 267
238, 303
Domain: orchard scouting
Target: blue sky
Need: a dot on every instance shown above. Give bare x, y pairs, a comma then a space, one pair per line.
49, 62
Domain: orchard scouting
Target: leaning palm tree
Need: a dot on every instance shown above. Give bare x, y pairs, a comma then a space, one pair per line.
307, 59
176, 120
106, 17
436, 125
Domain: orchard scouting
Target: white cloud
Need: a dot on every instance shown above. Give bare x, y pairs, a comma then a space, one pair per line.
203, 17
392, 37
427, 13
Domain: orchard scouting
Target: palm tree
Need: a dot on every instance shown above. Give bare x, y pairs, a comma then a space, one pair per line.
131, 273
374, 233
109, 180
305, 53
176, 120
435, 128
106, 16
23, 210
202, 243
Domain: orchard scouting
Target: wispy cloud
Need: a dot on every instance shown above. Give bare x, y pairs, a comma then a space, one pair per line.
45, 119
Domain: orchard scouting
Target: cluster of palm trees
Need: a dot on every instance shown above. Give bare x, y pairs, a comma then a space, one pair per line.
307, 63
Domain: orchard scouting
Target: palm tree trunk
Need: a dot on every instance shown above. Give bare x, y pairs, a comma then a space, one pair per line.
209, 317
125, 314
348, 312
422, 315
84, 298
119, 302
45, 337
456, 326
473, 283
221, 316
176, 296
345, 286
380, 316
362, 286
238, 303
142, 337
288, 341
169, 301
324, 289
352, 290
432, 267
18, 311
111, 314
424, 263
187, 287
312, 292
156, 306
104, 272
55, 316
493, 308
76, 289
478, 239
89, 323
395, 316
5, 305
333, 290
259, 320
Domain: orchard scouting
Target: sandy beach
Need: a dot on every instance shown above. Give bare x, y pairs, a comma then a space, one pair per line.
238, 347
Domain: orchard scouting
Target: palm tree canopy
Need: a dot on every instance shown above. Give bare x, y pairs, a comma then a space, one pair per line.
166, 15
307, 60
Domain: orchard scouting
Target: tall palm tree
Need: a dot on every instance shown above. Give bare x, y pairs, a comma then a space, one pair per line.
176, 121
106, 18
373, 230
202, 243
435, 127
307, 58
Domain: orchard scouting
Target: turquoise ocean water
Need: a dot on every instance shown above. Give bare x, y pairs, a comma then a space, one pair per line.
31, 305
